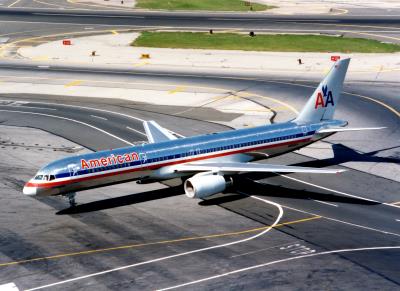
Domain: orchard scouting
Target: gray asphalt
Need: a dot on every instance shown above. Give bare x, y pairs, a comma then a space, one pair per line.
362, 9
346, 222
153, 221
28, 22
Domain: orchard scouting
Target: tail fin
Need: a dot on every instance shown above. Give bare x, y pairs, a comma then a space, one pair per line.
322, 103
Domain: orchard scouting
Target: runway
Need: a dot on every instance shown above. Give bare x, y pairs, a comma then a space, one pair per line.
270, 231
29, 22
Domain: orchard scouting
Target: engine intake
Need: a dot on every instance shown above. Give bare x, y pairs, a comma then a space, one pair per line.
202, 186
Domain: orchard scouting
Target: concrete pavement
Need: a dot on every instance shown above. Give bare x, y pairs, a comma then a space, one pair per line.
114, 49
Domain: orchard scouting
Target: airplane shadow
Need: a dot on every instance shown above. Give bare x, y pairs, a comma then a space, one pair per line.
246, 184
221, 199
342, 154
269, 190
123, 201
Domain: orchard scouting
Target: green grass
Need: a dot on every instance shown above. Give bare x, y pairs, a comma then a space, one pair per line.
212, 5
281, 43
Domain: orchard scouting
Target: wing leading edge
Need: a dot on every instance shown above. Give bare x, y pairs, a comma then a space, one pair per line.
251, 167
344, 129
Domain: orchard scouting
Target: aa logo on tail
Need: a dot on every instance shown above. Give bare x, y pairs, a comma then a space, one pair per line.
324, 98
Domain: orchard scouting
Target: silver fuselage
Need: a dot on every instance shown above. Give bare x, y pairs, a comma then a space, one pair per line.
155, 161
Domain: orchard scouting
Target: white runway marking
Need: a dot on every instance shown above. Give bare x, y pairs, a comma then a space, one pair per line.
337, 220
338, 192
69, 119
9, 287
308, 21
46, 22
262, 250
328, 189
327, 203
135, 130
98, 117
224, 19
87, 15
30, 107
96, 109
176, 255
276, 262
14, 3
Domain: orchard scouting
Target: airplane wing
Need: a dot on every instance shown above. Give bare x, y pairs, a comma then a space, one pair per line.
341, 129
251, 167
156, 133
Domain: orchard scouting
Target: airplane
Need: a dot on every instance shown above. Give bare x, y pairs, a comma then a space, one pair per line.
206, 163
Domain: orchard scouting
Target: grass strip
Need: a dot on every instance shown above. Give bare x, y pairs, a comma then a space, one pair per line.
211, 5
280, 43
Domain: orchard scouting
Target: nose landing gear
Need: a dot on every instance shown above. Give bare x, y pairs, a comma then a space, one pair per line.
71, 199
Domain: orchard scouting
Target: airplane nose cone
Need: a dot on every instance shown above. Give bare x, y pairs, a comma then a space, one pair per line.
28, 190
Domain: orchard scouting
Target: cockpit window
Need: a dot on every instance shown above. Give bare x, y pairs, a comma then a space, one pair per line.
45, 177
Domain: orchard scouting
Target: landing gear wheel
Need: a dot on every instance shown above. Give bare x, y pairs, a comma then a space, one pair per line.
71, 199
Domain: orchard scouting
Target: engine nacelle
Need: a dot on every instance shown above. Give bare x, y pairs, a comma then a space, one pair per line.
201, 186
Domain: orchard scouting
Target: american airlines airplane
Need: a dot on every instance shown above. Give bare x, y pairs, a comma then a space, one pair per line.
207, 162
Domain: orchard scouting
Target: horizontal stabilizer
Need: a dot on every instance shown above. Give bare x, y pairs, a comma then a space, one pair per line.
340, 129
156, 133
252, 167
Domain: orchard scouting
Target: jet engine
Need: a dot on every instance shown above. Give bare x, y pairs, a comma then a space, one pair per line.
204, 185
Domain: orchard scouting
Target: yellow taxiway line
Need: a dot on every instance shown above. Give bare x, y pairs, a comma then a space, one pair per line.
358, 95
35, 38
40, 58
141, 64
73, 83
177, 90
294, 110
390, 108
377, 35
155, 243
282, 104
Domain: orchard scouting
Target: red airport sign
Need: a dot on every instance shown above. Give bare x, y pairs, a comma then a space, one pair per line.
66, 42
335, 58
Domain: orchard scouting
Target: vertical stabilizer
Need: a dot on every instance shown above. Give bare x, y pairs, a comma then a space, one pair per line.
322, 103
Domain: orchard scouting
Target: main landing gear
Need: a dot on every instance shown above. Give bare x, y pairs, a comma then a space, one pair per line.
71, 199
